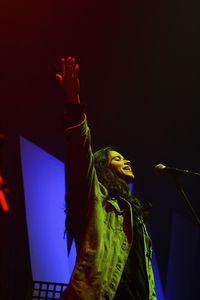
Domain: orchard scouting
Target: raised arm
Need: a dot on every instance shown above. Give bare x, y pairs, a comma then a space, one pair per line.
82, 182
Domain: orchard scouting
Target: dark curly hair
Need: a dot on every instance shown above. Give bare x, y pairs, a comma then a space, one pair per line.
116, 186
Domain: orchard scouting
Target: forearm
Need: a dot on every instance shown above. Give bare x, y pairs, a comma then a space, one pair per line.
81, 173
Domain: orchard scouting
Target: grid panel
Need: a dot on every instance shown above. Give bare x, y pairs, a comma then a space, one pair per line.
43, 290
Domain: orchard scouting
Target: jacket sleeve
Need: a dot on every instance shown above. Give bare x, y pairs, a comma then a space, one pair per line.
82, 183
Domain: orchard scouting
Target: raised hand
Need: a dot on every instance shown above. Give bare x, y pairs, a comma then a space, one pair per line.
69, 79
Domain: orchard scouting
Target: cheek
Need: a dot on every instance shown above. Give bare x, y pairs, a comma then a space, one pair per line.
117, 168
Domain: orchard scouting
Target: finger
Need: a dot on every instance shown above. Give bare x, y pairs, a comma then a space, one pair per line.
70, 65
69, 59
59, 78
63, 66
76, 70
71, 62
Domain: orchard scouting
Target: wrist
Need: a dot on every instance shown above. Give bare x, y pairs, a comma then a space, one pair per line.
73, 99
74, 114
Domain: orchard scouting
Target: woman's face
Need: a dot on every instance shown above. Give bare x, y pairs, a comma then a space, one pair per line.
120, 165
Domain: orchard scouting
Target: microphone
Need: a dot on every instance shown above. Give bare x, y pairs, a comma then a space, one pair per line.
161, 170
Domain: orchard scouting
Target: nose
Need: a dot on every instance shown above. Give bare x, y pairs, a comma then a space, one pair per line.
127, 162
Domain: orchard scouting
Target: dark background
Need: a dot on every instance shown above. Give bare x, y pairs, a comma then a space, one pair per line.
139, 72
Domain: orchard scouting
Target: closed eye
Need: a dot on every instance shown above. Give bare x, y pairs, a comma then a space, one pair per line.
118, 158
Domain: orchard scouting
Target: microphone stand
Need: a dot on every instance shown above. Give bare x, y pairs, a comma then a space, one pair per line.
193, 173
185, 197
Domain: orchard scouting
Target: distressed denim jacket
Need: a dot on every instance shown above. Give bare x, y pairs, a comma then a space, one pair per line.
102, 229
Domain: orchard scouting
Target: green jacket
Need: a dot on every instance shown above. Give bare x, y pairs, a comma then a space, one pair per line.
103, 233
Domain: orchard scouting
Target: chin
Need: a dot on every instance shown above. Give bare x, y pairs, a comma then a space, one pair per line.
129, 178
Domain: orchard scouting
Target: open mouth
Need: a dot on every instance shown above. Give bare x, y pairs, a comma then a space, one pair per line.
127, 169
